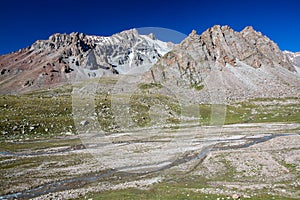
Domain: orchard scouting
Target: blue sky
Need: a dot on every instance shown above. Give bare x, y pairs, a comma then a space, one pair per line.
23, 22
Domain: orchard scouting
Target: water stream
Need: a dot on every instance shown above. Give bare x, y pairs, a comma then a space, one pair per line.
84, 179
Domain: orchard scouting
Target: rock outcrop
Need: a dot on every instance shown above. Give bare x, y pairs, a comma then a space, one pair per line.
295, 58
221, 61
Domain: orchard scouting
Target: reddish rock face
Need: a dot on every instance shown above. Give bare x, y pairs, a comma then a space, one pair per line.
28, 69
41, 65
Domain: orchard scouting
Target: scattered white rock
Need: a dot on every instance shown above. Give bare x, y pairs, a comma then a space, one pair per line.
235, 196
84, 123
4, 132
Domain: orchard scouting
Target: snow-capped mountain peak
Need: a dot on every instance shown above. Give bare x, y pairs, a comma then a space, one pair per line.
76, 56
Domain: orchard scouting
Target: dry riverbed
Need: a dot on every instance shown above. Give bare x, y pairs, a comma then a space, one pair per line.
244, 159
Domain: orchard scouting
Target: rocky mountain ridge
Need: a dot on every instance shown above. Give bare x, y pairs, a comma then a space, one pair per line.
223, 62
65, 58
218, 62
224, 45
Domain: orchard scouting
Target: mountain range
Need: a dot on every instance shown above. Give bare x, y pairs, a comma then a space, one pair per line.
67, 58
245, 64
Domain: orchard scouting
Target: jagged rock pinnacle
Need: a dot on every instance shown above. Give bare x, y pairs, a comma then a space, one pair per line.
152, 36
193, 33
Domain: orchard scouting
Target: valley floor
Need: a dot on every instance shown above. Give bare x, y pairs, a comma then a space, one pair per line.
251, 160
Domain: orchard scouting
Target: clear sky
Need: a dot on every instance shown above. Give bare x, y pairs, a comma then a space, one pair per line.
25, 21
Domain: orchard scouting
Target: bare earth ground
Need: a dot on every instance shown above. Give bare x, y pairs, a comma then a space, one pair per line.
245, 159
